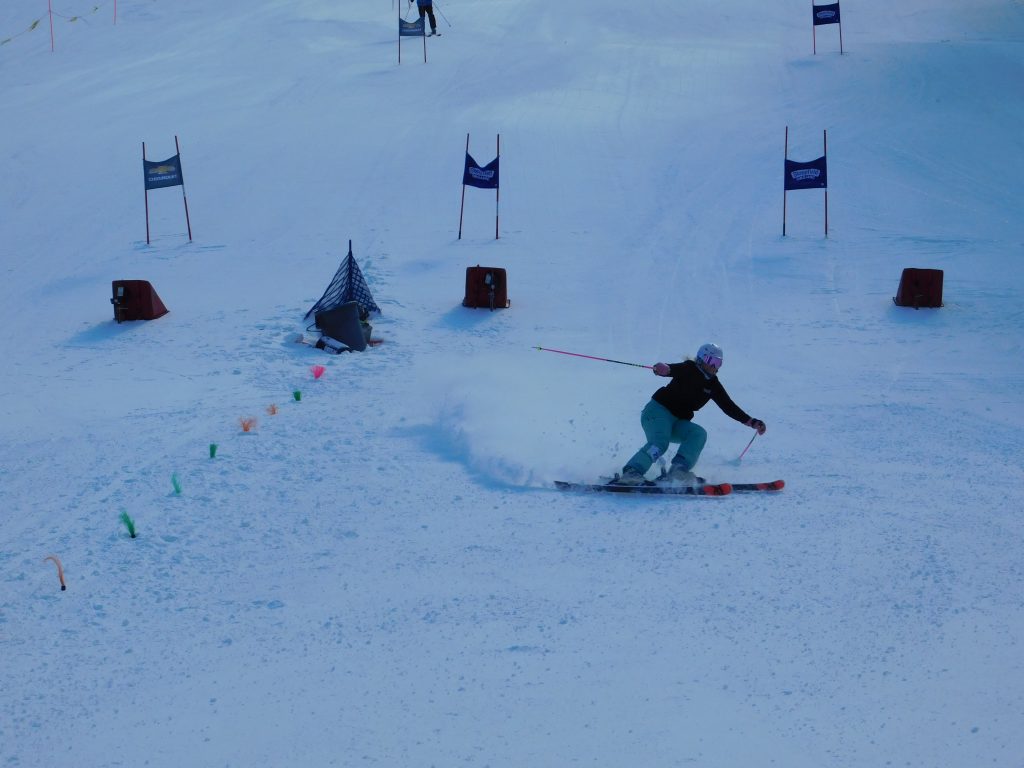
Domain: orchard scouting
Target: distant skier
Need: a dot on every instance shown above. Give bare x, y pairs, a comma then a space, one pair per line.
667, 417
426, 8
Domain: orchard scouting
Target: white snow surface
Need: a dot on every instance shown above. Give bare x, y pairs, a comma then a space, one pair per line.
383, 573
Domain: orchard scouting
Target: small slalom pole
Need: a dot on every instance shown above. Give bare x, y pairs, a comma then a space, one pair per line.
60, 570
181, 175
738, 458
591, 357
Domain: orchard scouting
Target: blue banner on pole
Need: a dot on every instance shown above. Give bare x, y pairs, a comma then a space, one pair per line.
411, 28
163, 173
825, 14
812, 175
483, 178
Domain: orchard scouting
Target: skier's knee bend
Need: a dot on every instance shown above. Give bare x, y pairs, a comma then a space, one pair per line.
700, 437
691, 445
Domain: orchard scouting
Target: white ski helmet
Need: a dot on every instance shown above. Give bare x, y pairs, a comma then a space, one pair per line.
709, 356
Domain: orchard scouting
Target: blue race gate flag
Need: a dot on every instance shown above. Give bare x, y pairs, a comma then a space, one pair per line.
165, 173
411, 28
812, 175
482, 178
825, 14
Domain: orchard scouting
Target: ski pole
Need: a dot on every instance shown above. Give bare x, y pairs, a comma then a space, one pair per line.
747, 448
442, 14
591, 357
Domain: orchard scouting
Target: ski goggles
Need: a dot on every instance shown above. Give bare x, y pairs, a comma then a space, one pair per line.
712, 363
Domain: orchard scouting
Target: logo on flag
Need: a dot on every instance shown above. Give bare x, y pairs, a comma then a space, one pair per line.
482, 178
163, 173
412, 28
826, 14
812, 175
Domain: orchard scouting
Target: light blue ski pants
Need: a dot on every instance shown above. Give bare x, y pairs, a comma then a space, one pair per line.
662, 428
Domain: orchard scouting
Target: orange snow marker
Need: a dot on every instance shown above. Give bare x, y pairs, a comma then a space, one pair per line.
60, 570
247, 424
272, 409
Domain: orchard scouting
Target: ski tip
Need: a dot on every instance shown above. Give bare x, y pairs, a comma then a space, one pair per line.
778, 485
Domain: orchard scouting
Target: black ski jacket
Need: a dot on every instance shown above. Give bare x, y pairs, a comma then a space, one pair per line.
689, 391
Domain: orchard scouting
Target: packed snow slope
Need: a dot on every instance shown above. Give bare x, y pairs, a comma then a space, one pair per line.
382, 573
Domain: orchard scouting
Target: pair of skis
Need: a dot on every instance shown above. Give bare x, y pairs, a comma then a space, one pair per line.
700, 488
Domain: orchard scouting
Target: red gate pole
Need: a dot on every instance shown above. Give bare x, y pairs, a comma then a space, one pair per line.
824, 134
785, 157
462, 206
146, 189
814, 36
187, 222
497, 188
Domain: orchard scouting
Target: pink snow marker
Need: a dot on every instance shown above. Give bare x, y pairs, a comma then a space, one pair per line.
318, 371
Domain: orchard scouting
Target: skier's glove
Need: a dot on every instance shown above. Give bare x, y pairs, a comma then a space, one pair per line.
662, 369
758, 425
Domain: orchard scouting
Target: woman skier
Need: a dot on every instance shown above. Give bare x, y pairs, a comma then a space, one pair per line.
667, 418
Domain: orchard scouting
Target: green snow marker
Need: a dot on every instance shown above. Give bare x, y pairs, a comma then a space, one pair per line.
128, 523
